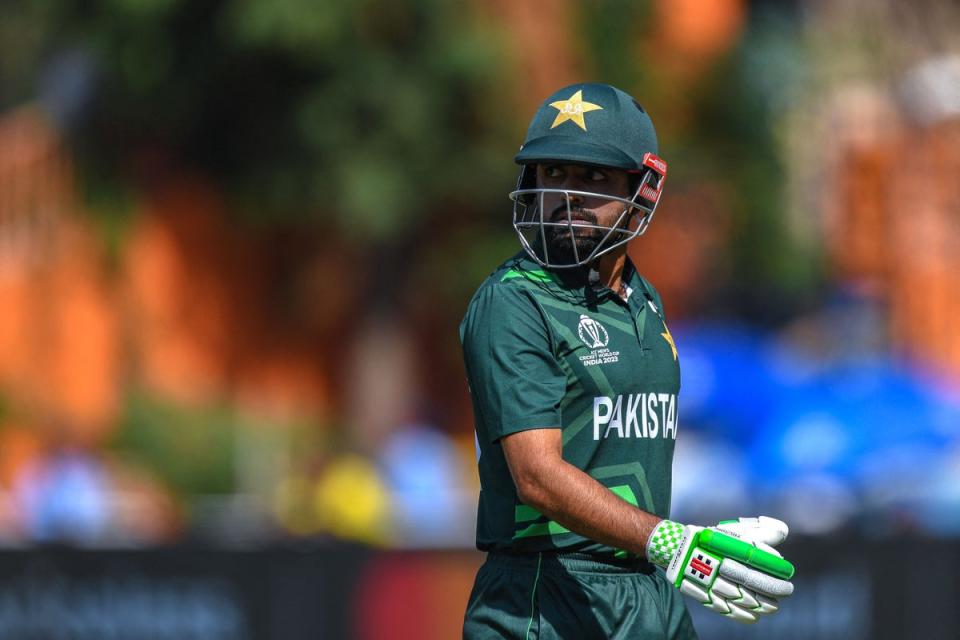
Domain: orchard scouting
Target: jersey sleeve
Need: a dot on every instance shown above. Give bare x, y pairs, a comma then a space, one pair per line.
515, 380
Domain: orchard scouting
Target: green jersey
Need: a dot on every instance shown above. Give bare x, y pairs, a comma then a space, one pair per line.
544, 352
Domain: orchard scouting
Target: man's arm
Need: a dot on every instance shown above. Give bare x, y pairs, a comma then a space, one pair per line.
567, 495
739, 575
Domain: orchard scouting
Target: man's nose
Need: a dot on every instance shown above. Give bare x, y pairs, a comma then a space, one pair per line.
574, 199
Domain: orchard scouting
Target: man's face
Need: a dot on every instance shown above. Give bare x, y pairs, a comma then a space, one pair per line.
583, 209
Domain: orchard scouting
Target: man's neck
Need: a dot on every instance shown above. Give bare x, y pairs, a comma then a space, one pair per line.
609, 267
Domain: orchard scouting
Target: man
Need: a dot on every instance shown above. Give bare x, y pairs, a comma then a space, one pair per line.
574, 378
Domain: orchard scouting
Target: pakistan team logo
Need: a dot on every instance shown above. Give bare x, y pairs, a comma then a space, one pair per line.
593, 334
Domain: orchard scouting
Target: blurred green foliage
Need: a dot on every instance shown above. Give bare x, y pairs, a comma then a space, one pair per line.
370, 110
27, 30
191, 449
611, 32
390, 116
770, 73
742, 116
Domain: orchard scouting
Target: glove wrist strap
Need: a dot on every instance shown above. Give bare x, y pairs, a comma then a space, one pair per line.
664, 542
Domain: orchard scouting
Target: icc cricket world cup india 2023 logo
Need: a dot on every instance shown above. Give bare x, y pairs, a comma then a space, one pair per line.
593, 334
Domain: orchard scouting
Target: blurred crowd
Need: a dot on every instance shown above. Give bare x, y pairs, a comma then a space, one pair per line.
184, 356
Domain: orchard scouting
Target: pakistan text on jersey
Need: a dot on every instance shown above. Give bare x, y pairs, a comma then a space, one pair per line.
640, 415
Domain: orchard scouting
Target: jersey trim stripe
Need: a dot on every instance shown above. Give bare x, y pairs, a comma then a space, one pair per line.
533, 593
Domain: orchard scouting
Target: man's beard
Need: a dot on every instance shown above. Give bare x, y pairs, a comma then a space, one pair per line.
559, 241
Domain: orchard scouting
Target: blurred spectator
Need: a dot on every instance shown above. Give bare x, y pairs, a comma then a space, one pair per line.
432, 504
345, 498
64, 496
351, 501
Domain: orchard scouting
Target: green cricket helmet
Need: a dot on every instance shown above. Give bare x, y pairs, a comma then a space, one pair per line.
594, 125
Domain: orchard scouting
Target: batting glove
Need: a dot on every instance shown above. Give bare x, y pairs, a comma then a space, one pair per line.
731, 568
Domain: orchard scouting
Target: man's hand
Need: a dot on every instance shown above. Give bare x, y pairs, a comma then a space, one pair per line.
731, 568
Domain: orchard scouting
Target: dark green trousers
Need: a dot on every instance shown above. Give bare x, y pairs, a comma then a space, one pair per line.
573, 597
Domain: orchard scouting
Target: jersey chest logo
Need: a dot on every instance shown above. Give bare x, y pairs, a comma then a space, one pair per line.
595, 336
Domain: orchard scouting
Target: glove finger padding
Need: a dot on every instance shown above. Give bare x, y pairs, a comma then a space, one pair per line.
765, 532
758, 581
730, 600
744, 597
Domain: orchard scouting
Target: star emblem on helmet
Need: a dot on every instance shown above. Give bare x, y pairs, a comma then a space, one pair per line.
572, 109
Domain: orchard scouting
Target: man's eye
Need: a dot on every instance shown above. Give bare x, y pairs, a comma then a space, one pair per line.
553, 172
597, 176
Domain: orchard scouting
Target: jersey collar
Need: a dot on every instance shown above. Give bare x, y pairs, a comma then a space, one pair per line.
572, 283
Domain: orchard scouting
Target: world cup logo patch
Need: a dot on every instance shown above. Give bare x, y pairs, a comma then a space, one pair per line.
593, 334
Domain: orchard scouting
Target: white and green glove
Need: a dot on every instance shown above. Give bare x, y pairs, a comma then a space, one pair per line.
731, 568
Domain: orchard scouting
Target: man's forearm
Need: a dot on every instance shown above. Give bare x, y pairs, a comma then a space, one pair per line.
567, 495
